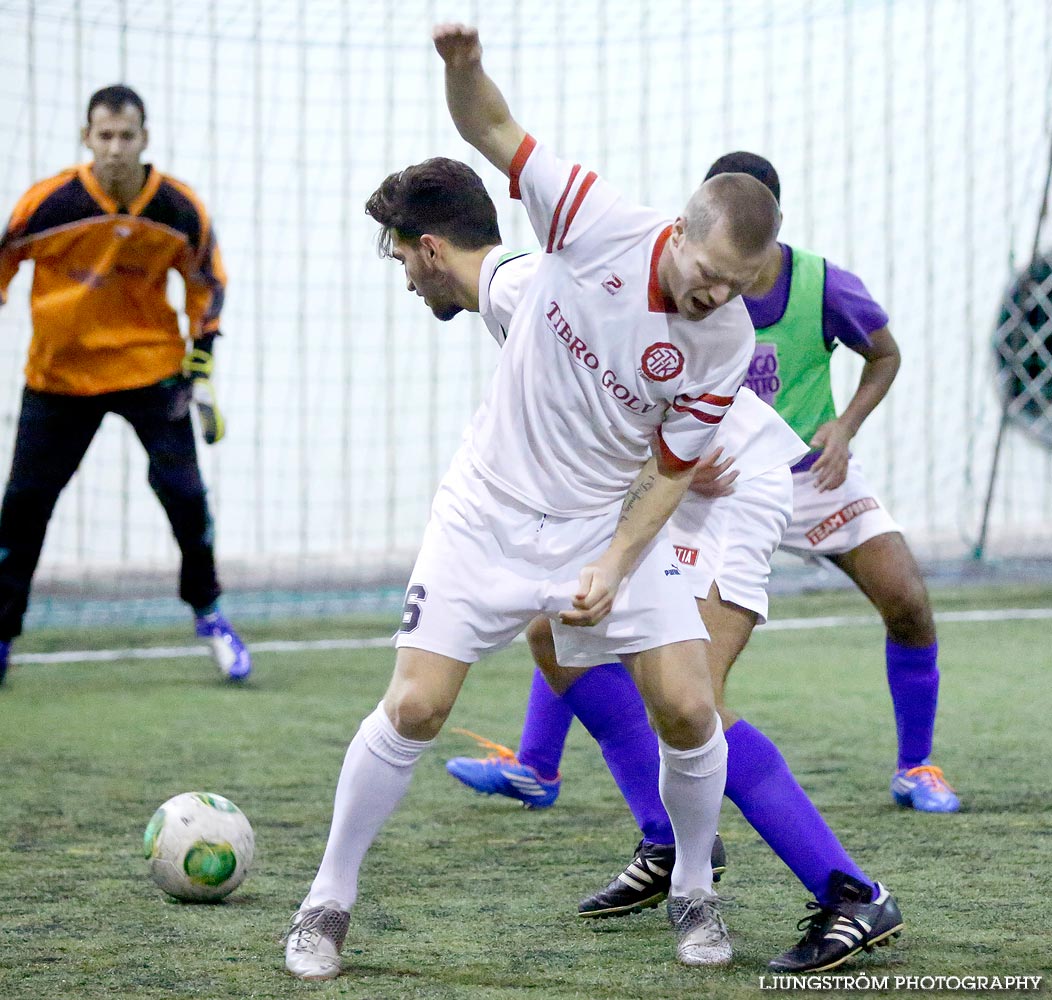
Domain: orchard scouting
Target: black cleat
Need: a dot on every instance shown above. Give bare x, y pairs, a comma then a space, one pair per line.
719, 859
645, 882
835, 933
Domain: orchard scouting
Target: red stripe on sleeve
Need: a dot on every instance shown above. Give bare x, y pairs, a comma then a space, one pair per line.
589, 180
558, 208
668, 460
682, 404
705, 418
518, 161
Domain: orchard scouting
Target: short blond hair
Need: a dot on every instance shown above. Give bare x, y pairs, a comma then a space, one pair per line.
745, 206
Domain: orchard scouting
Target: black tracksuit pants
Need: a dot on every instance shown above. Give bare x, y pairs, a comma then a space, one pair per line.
54, 433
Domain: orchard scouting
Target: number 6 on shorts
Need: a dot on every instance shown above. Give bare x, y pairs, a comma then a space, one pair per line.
414, 597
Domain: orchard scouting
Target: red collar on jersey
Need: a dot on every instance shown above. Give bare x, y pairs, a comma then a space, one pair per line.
657, 300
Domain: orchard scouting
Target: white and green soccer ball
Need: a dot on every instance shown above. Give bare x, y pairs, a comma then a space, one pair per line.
199, 846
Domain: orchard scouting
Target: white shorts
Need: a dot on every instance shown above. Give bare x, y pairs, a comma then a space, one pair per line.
489, 564
729, 541
829, 524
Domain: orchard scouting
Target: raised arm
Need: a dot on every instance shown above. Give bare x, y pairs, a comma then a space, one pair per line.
477, 107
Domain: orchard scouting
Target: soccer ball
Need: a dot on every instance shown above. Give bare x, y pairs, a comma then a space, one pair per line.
199, 846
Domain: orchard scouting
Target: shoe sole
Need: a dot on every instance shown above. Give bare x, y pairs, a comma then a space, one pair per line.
530, 806
908, 804
514, 798
881, 942
704, 965
314, 979
623, 911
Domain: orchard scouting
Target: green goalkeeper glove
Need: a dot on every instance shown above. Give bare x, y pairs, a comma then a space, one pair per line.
197, 366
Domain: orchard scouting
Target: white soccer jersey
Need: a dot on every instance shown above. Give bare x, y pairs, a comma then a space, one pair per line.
751, 432
595, 365
757, 437
502, 281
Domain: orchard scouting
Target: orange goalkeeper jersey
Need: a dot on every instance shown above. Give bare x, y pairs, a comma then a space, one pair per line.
101, 317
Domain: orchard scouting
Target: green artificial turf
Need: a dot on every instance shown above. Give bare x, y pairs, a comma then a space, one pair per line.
464, 896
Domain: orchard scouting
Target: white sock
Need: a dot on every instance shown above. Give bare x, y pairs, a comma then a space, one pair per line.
691, 784
375, 775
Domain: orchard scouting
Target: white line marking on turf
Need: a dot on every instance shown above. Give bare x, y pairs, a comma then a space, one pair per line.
982, 615
178, 652
313, 645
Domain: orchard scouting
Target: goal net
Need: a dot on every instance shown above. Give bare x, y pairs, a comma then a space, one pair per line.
910, 137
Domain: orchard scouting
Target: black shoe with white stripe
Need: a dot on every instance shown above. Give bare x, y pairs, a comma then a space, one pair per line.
857, 921
645, 882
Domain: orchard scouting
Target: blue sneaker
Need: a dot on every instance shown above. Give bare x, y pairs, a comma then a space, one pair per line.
501, 774
5, 655
925, 789
229, 652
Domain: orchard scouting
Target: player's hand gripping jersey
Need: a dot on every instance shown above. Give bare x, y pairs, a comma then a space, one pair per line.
597, 361
751, 432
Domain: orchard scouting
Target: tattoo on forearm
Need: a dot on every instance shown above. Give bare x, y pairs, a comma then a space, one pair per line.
635, 495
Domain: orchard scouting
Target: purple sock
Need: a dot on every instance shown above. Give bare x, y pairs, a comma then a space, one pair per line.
544, 729
761, 785
913, 677
606, 701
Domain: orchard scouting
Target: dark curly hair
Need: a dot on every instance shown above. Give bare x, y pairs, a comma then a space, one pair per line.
439, 196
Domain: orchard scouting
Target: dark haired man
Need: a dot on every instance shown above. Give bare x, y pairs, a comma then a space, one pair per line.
802, 306
629, 338
103, 237
437, 196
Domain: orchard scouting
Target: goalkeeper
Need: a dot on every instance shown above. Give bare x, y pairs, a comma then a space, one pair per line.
103, 237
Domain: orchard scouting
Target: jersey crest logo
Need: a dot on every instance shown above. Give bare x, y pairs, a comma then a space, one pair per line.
661, 362
613, 284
